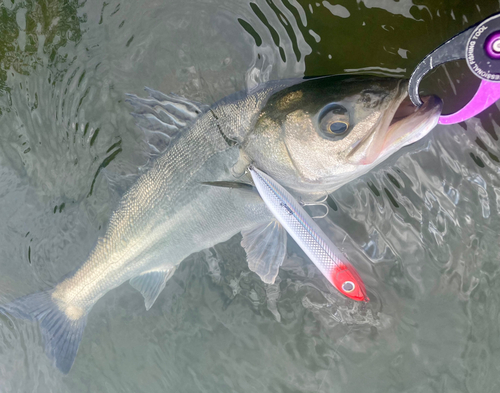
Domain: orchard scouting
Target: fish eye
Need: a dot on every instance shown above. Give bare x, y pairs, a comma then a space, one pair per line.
348, 286
334, 120
339, 127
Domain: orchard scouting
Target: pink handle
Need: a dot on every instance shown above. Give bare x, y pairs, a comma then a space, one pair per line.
487, 94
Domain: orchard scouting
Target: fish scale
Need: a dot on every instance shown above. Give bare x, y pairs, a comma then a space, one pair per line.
154, 205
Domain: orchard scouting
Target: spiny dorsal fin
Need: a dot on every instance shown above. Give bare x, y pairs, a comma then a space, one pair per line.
151, 283
265, 246
162, 116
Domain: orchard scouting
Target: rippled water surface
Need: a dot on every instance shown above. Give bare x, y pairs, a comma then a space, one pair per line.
423, 227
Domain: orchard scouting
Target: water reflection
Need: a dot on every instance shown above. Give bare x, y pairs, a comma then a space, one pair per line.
280, 46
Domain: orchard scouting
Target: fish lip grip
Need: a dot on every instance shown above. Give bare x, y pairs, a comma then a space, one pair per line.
479, 45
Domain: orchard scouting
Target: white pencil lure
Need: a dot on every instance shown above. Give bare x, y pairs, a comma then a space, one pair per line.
309, 236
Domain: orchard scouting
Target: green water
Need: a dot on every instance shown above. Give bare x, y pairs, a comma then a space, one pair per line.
422, 227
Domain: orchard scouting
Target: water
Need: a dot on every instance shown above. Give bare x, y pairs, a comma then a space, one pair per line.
422, 227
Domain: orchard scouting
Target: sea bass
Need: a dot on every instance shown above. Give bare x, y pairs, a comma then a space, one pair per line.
311, 136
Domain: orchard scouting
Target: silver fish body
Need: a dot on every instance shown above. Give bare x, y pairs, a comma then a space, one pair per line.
166, 215
170, 212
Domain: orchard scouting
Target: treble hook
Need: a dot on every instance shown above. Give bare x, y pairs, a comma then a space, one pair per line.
321, 202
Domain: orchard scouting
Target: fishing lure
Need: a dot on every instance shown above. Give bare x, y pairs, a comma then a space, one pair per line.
309, 236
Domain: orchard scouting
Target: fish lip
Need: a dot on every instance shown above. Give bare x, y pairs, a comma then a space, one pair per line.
402, 124
414, 126
406, 111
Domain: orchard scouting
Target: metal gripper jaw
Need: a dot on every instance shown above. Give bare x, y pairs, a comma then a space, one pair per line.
479, 45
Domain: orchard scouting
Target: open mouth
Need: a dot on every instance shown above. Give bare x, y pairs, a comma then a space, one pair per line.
411, 123
406, 108
402, 124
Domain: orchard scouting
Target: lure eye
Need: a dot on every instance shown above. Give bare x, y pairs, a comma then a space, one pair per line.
348, 286
334, 120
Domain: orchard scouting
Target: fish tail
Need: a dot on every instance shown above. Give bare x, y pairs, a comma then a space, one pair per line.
61, 327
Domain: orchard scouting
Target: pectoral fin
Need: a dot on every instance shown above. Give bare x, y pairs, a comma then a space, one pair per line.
265, 246
232, 184
151, 283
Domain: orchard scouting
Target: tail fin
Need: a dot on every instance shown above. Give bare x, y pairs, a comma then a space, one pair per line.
61, 331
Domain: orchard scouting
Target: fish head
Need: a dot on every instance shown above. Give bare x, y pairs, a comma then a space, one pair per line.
346, 279
319, 134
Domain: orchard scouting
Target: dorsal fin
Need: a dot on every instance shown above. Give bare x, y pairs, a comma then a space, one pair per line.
162, 116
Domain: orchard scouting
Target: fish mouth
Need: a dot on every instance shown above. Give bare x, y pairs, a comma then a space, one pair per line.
401, 124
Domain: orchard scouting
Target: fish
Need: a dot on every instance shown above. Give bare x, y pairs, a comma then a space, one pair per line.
312, 136
309, 236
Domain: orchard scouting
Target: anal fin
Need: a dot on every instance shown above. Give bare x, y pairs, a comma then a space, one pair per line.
265, 246
151, 283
